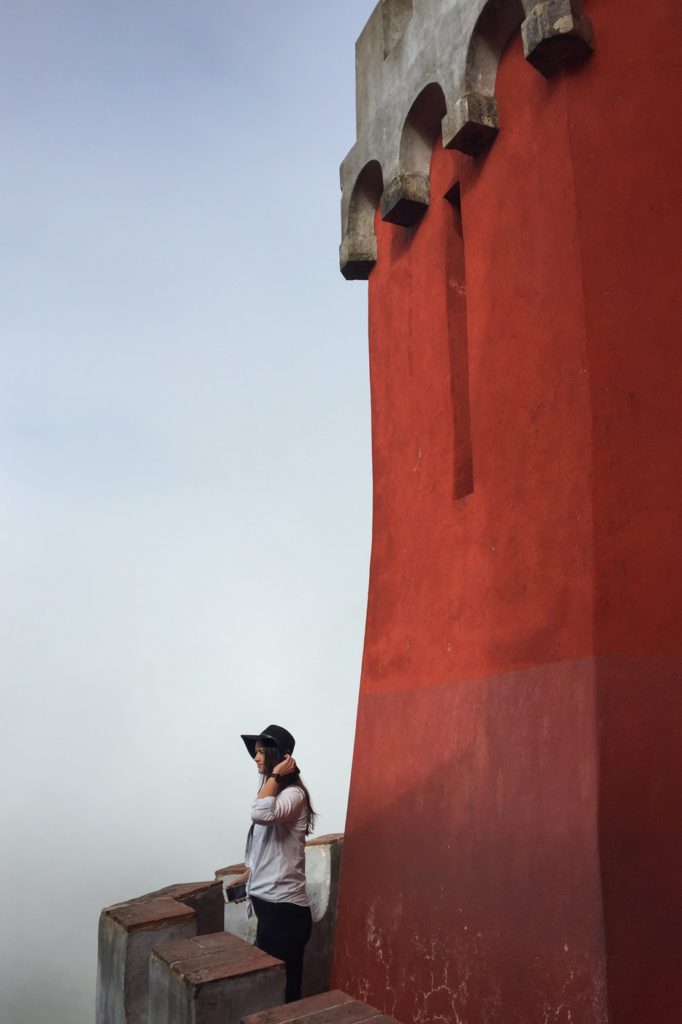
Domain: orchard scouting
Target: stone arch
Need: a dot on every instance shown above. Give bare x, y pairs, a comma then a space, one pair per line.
474, 117
407, 195
359, 247
553, 31
495, 26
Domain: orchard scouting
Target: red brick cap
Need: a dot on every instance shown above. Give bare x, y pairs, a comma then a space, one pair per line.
333, 1007
155, 909
213, 957
329, 840
233, 869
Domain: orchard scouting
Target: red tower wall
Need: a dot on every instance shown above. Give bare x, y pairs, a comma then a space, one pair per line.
513, 845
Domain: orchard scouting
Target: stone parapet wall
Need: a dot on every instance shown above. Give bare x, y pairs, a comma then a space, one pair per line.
131, 933
128, 932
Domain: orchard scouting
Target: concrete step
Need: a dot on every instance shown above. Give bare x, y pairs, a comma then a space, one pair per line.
212, 979
333, 1007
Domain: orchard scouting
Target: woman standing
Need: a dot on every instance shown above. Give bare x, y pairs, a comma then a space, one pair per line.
282, 816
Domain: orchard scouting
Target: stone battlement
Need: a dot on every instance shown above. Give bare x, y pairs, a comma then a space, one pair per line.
429, 66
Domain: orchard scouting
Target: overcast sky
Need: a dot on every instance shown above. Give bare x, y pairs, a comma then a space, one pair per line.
185, 450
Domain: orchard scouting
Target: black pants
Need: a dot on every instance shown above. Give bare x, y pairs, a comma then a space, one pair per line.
283, 930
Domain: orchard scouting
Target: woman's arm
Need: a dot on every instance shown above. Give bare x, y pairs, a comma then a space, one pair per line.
286, 806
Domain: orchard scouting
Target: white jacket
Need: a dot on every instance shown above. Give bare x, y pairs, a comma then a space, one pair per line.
275, 848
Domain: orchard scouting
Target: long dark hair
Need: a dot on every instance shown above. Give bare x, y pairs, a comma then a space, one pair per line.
271, 758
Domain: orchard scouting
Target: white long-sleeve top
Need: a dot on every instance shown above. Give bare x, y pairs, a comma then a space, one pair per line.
275, 848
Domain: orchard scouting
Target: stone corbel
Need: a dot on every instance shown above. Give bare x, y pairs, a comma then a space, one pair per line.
472, 125
405, 199
357, 256
556, 31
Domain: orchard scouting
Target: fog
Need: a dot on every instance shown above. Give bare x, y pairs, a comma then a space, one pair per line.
185, 450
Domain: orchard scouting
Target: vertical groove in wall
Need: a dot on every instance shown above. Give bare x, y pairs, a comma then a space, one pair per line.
455, 291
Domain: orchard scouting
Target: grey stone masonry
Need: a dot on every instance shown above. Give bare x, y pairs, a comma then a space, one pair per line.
322, 869
429, 66
212, 979
333, 1007
128, 932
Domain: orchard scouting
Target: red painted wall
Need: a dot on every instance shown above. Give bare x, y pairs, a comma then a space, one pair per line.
512, 845
630, 224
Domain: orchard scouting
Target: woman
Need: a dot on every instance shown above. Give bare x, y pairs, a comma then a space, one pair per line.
282, 817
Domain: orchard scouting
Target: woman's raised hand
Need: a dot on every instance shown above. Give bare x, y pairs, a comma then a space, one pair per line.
285, 767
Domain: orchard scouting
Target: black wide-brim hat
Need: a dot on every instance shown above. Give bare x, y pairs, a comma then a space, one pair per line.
273, 736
